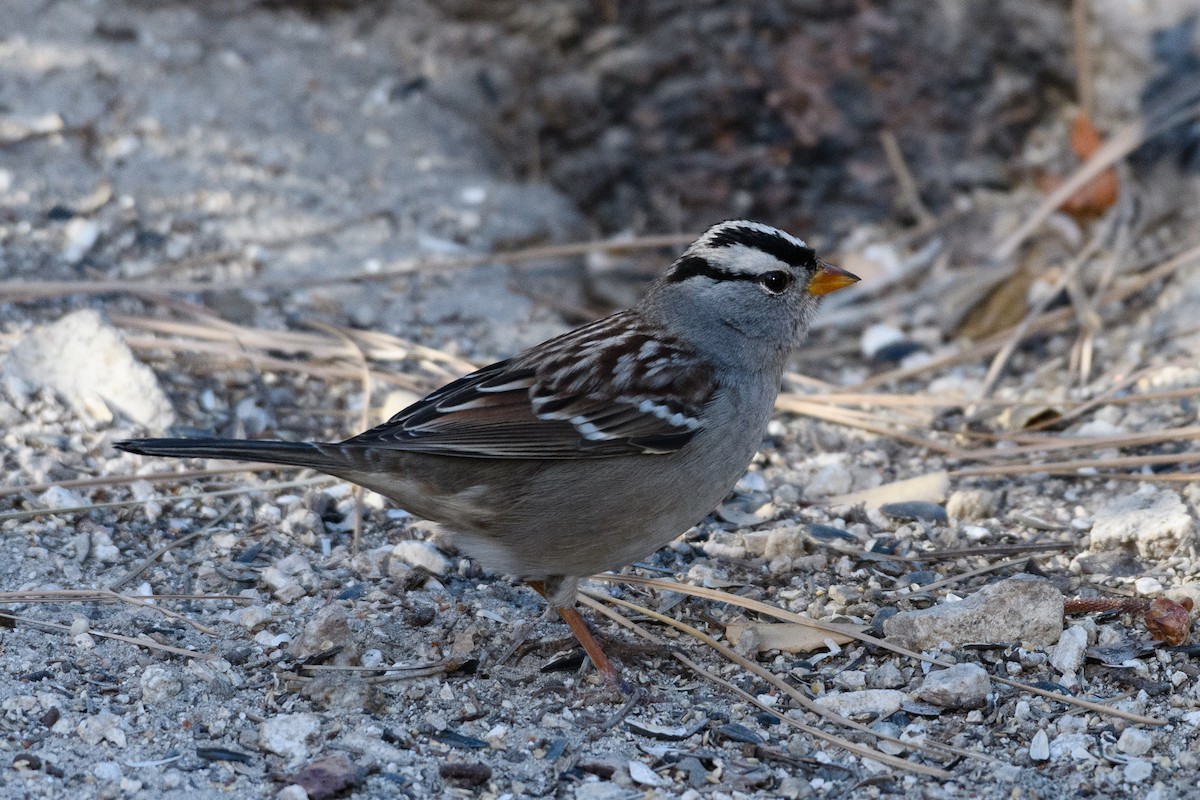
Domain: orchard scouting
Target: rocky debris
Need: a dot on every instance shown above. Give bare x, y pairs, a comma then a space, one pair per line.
1153, 521
1020, 609
102, 727
327, 777
290, 736
329, 632
424, 555
1067, 656
959, 686
867, 703
972, 504
83, 358
159, 684
1039, 746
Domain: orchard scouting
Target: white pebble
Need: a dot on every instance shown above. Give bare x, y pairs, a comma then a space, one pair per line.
107, 771
1135, 742
101, 727
158, 684
288, 735
878, 336
1148, 587
422, 554
79, 235
1138, 770
1068, 653
1039, 747
641, 774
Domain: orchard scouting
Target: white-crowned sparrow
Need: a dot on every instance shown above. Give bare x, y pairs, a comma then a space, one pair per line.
595, 448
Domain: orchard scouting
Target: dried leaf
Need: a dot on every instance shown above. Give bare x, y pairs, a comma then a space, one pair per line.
1099, 194
1000, 309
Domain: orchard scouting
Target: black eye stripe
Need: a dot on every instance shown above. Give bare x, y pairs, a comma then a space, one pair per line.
773, 244
691, 266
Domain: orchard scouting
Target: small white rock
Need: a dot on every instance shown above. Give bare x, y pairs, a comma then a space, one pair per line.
422, 554
1068, 653
831, 479
1039, 747
867, 703
101, 727
1135, 742
57, 497
1156, 522
288, 735
1148, 587
253, 617
639, 773
107, 771
959, 686
79, 236
878, 336
84, 358
1138, 770
159, 684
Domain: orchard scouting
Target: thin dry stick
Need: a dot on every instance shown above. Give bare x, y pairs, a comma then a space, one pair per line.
267, 362
817, 733
1048, 322
518, 256
856, 417
905, 180
120, 480
148, 644
996, 369
402, 672
100, 596
39, 512
1172, 111
787, 616
1166, 477
378, 345
929, 747
792, 404
1085, 80
39, 290
1104, 398
1060, 443
962, 576
1073, 467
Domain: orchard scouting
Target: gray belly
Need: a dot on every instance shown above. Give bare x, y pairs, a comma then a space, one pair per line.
582, 517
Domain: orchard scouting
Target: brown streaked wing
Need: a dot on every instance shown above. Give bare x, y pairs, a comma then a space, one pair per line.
607, 389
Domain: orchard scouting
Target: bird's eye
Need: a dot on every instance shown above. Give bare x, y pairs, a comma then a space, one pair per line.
776, 282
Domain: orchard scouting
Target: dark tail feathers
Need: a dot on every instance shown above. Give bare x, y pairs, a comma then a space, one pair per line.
325, 457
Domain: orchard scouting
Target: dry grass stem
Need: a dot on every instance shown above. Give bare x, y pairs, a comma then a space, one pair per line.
271, 487
932, 748
788, 616
34, 597
149, 644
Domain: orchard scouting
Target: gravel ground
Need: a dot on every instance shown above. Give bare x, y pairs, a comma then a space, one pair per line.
281, 158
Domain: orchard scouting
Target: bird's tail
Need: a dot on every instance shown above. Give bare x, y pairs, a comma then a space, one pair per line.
330, 458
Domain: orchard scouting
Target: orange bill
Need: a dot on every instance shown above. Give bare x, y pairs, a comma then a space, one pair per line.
830, 279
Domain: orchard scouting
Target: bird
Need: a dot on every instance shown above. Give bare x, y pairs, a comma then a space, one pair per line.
597, 447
